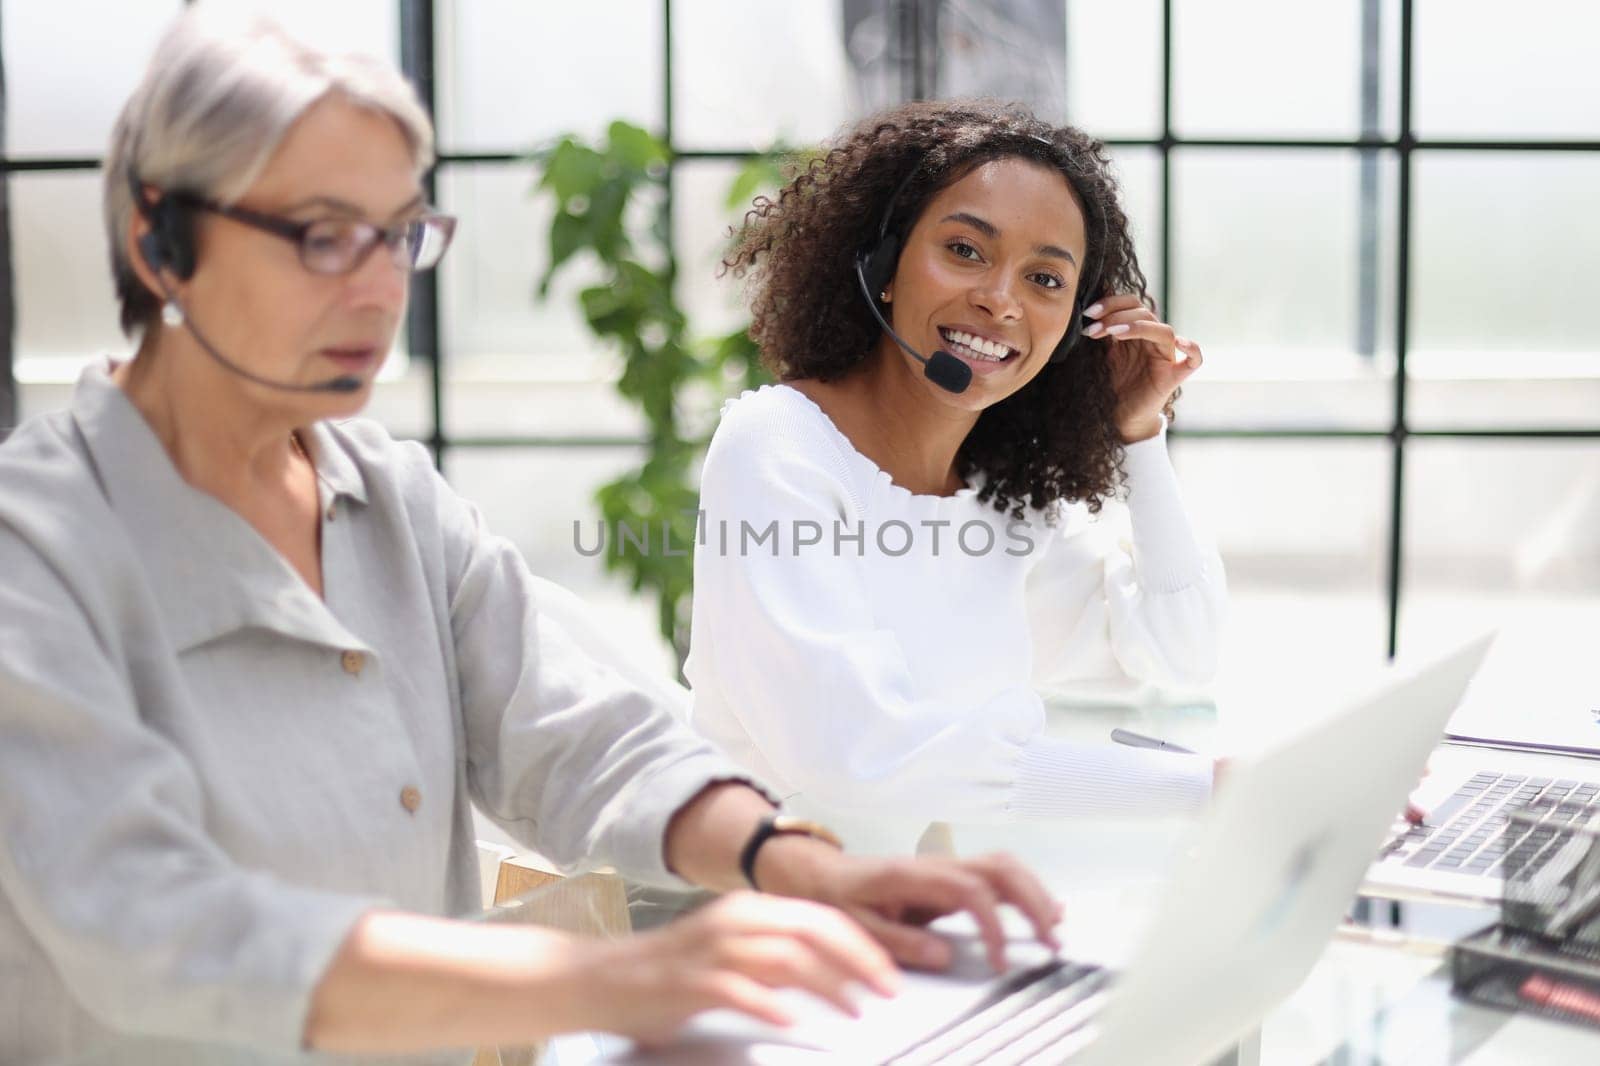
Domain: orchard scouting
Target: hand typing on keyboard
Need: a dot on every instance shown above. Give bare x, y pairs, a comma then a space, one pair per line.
894, 899
1415, 814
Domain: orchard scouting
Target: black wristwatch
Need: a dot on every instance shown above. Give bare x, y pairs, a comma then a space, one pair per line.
772, 825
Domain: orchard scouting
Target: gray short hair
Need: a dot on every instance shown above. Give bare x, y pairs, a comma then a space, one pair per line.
215, 102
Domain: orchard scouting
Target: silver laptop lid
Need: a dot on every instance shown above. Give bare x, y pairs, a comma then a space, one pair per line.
1273, 868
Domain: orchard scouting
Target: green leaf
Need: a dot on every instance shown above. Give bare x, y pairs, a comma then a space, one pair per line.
609, 311
743, 189
634, 148
764, 173
607, 203
571, 169
568, 236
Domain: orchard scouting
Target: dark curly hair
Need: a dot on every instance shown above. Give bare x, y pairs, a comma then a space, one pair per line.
1055, 438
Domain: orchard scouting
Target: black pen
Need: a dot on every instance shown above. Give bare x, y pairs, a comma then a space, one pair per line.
1139, 740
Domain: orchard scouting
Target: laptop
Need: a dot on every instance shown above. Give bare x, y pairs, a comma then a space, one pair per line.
1459, 852
1514, 742
1269, 873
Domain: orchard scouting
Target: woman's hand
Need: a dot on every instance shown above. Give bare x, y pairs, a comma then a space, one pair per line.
1148, 361
894, 898
734, 953
1414, 813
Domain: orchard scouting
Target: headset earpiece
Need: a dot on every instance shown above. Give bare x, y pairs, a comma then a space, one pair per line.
172, 227
1074, 334
152, 252
170, 243
878, 262
1085, 294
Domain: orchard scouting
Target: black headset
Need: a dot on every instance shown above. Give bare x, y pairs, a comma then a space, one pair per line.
170, 244
877, 262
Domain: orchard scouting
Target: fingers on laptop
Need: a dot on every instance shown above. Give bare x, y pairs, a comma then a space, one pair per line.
929, 888
786, 962
971, 892
1015, 884
1416, 814
910, 945
827, 935
736, 951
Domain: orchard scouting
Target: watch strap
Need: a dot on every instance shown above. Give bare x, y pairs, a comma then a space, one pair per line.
775, 825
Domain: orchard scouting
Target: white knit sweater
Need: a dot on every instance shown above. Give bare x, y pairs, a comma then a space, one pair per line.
874, 653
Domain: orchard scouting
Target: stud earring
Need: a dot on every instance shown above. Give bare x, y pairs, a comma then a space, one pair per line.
883, 294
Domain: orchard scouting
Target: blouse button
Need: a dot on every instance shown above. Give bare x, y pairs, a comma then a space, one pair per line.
411, 798
352, 661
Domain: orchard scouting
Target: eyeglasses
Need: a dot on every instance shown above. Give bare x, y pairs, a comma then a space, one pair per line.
340, 245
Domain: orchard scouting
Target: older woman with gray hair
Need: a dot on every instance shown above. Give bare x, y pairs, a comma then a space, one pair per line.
256, 665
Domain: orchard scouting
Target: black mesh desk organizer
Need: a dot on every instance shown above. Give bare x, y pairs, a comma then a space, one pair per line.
1543, 956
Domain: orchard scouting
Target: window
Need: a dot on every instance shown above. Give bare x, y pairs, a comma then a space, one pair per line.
1373, 214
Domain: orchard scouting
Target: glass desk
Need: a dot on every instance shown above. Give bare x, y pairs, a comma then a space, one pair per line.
1374, 997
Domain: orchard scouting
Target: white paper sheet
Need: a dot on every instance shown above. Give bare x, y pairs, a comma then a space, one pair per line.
1539, 688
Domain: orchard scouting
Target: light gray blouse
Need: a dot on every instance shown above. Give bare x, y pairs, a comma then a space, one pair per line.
207, 773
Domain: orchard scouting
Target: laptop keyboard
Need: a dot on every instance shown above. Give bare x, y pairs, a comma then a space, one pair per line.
1470, 832
1026, 1020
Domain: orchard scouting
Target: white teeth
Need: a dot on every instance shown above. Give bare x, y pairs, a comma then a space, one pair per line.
977, 347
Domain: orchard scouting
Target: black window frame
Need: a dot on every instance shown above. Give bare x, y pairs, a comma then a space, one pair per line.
912, 21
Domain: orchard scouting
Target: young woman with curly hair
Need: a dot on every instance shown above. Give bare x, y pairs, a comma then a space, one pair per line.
892, 559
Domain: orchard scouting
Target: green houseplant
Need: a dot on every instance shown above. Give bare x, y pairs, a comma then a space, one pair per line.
611, 208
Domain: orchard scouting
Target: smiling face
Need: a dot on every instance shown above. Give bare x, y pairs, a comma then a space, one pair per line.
988, 274
257, 303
